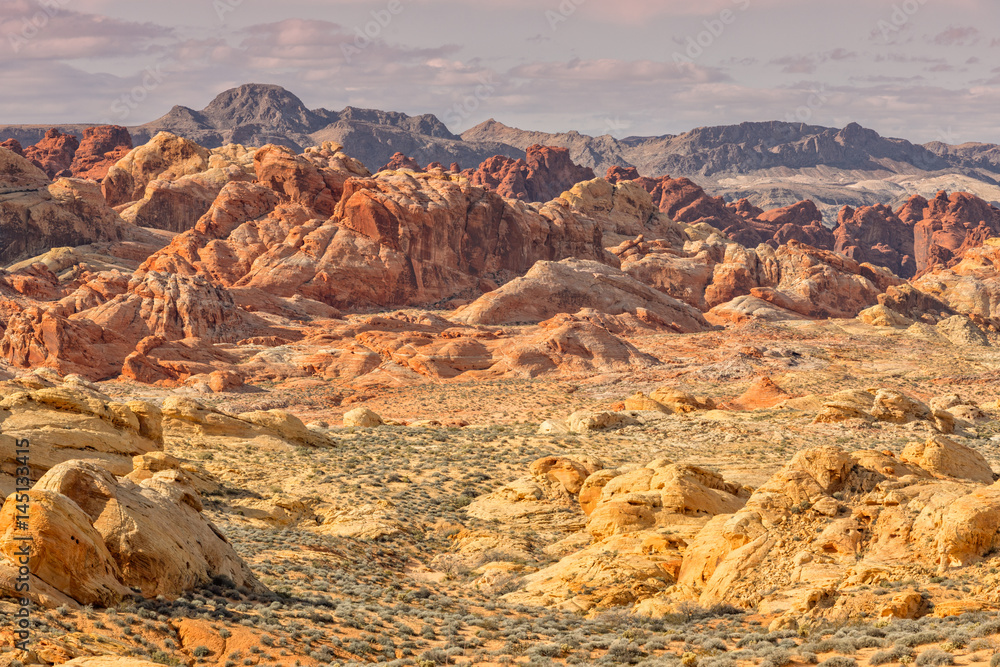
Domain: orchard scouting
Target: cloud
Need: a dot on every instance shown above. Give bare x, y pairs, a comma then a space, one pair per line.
499, 58
797, 64
808, 63
52, 31
956, 36
617, 71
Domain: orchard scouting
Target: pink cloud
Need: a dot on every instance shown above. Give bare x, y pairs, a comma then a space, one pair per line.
52, 31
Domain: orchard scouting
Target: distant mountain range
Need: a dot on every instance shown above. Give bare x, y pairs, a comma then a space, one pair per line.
771, 163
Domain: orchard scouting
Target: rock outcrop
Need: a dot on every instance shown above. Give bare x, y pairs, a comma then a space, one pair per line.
97, 536
543, 174
550, 288
37, 214
857, 517
637, 520
921, 236
54, 153
65, 421
101, 147
970, 287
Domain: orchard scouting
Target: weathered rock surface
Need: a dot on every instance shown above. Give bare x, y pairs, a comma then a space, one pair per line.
98, 536
550, 288
101, 147
36, 214
543, 174
971, 286
54, 153
638, 521
71, 421
874, 513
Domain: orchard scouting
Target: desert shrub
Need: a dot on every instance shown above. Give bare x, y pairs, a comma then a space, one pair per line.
867, 641
434, 656
935, 657
894, 654
919, 638
714, 644
718, 661
751, 639
995, 660
546, 650
839, 661
772, 656
842, 645
624, 652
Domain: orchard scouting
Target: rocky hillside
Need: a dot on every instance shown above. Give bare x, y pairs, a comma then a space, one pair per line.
771, 164
777, 163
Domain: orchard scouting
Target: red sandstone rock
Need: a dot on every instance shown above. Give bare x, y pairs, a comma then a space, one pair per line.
503, 175
762, 393
799, 222
54, 153
551, 288
684, 201
294, 178
102, 146
39, 215
174, 307
165, 156
616, 174
921, 236
38, 337
950, 225
544, 174
400, 161
12, 145
875, 234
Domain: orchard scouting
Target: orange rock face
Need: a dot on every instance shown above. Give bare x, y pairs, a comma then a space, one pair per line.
272, 246
54, 153
13, 145
101, 147
919, 237
400, 161
42, 338
37, 215
544, 174
762, 393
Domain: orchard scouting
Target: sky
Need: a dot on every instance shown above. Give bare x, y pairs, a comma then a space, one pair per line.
924, 70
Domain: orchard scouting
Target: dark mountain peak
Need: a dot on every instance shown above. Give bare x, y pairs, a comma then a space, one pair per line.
750, 133
426, 124
261, 104
853, 133
181, 118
